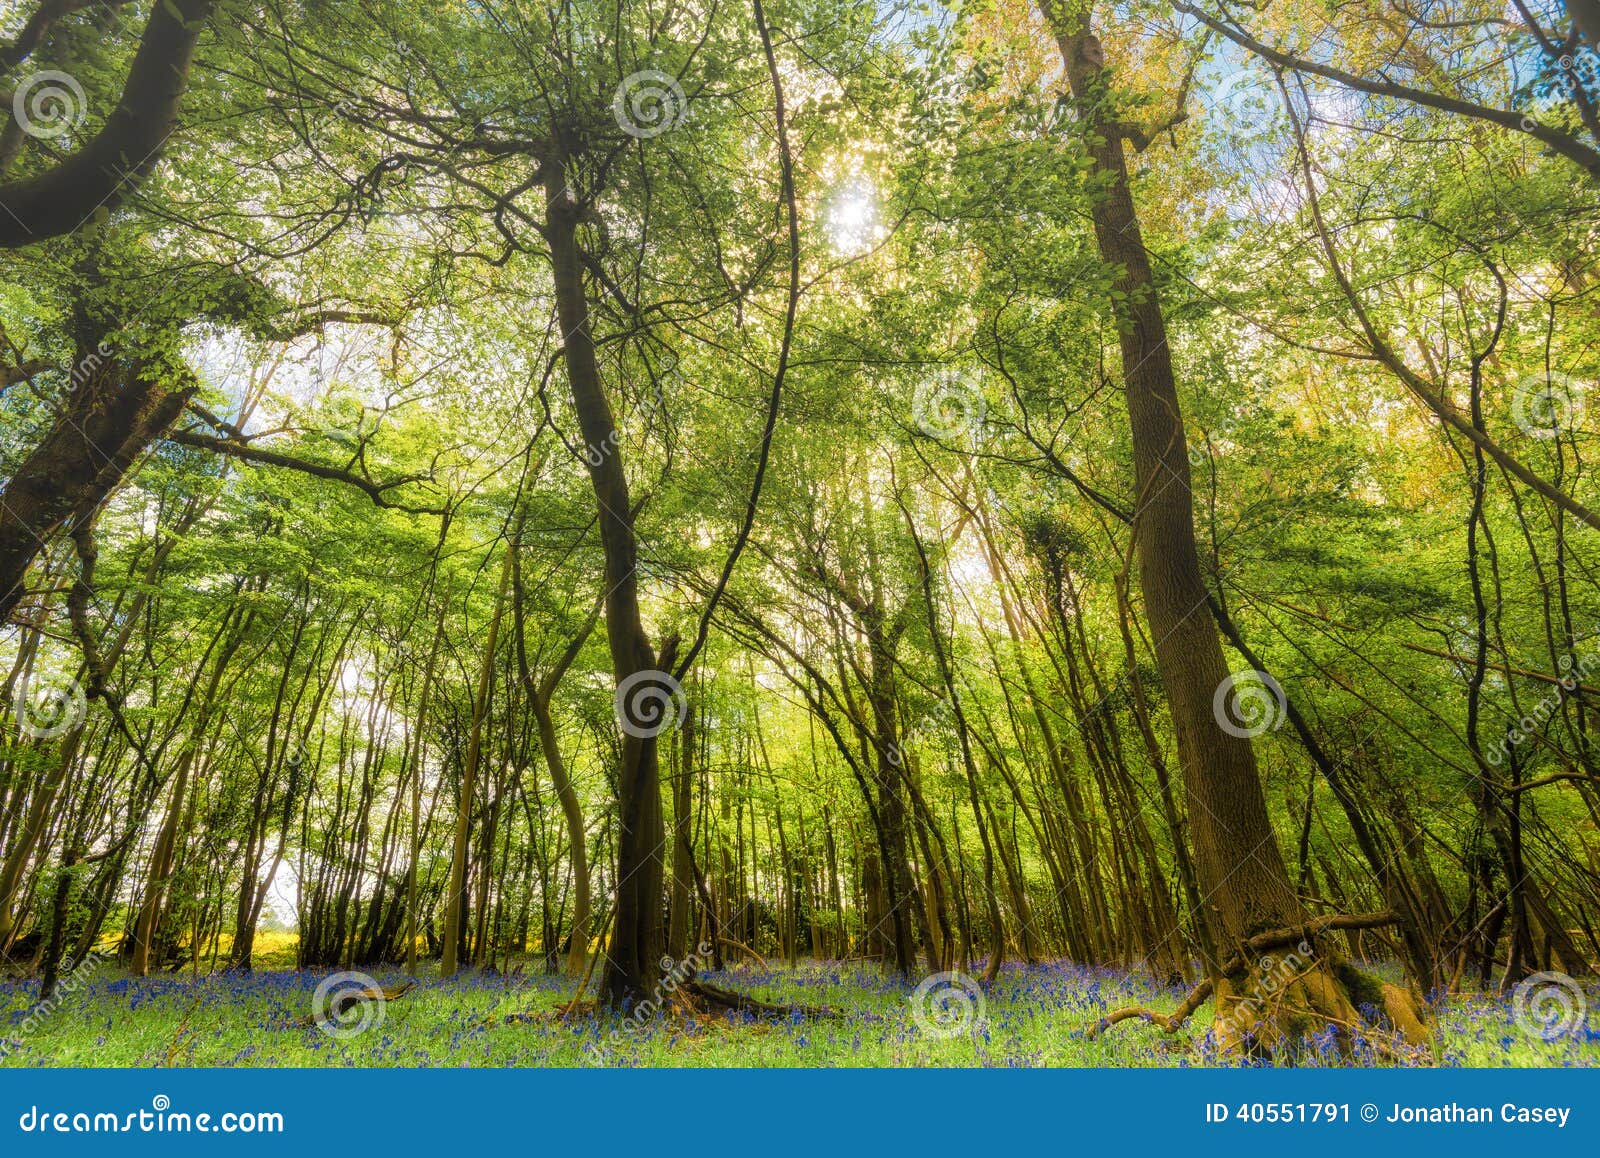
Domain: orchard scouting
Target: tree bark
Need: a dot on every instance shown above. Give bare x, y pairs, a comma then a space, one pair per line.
99, 176
455, 897
105, 426
1242, 874
633, 963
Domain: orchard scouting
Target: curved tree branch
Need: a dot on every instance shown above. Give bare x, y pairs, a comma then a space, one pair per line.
1431, 395
107, 169
44, 18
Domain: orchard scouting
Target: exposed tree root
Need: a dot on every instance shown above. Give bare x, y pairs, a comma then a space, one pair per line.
689, 999
714, 998
1405, 1014
1329, 993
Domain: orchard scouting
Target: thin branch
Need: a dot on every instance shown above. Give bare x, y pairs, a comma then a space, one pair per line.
1575, 151
376, 491
786, 171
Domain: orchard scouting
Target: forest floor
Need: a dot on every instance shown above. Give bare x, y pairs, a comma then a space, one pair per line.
1031, 1016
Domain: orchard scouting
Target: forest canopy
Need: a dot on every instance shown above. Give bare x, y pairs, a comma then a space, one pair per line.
596, 486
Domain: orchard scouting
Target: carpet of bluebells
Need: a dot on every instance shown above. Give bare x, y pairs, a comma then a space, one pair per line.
1036, 1015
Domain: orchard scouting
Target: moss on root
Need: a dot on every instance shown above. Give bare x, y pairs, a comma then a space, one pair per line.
1381, 1003
1364, 989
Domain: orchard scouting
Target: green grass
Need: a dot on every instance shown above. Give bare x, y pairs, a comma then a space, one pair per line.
1032, 1016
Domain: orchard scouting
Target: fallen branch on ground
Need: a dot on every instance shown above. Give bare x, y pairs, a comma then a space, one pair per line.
687, 1000
715, 997
344, 1001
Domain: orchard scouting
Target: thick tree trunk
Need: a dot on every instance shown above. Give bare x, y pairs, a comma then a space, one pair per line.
1244, 881
60, 907
106, 424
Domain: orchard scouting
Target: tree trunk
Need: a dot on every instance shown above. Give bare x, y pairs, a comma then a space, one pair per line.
633, 963
418, 747
99, 176
455, 896
680, 905
106, 425
1241, 870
